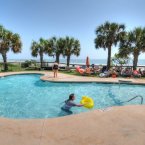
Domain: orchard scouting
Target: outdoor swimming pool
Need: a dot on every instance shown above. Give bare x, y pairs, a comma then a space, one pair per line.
26, 96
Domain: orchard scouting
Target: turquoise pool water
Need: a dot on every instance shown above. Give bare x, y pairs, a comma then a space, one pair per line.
26, 96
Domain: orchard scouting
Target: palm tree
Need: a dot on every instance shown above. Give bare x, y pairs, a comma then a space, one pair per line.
119, 59
133, 43
109, 34
60, 48
77, 48
57, 45
39, 48
72, 47
1, 31
8, 41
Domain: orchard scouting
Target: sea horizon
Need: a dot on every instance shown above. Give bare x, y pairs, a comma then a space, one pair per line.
75, 61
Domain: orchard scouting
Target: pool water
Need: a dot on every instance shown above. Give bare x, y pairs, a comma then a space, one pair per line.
26, 96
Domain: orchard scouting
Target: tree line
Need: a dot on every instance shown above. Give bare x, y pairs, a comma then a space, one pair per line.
55, 47
107, 36
9, 41
113, 34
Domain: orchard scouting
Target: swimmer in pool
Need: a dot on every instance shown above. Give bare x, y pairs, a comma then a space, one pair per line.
70, 103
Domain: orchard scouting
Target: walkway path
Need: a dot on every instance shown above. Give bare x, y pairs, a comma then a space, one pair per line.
48, 76
118, 126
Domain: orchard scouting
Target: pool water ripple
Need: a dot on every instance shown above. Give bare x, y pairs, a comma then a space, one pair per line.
26, 96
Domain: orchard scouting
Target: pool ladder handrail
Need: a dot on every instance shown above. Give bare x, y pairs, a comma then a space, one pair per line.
135, 98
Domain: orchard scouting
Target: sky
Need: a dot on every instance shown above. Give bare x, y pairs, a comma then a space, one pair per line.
33, 19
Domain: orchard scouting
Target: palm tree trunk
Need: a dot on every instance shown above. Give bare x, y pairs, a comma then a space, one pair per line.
109, 58
4, 56
41, 60
135, 61
68, 60
57, 58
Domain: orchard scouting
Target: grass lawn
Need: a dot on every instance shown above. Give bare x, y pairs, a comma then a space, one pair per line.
15, 67
73, 72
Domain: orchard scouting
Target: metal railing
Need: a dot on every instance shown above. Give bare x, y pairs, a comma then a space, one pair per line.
49, 64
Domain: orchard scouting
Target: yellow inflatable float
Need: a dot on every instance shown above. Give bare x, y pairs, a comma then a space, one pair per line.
87, 102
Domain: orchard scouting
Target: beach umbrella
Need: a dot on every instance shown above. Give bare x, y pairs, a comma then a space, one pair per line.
87, 61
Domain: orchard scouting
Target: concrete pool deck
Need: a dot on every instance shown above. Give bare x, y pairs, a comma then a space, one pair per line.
62, 77
116, 126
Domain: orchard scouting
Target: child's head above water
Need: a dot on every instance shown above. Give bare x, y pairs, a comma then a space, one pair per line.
71, 97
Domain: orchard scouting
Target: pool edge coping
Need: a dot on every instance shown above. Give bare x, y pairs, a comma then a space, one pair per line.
44, 73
